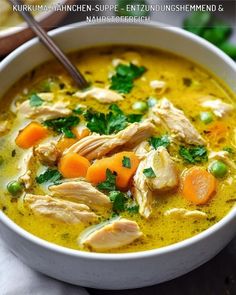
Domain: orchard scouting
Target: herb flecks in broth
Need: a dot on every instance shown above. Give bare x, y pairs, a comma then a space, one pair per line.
146, 154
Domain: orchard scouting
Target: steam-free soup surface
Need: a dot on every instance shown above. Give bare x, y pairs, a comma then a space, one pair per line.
155, 188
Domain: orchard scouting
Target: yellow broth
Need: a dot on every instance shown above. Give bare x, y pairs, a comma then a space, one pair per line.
96, 64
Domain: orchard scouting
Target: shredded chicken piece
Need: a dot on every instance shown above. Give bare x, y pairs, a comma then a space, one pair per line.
141, 150
159, 86
45, 111
47, 153
3, 126
218, 107
223, 156
164, 169
65, 211
175, 120
82, 192
184, 213
26, 168
100, 94
110, 235
96, 146
141, 191
166, 178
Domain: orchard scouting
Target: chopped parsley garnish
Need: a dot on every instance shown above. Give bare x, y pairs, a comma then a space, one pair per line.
110, 183
63, 125
159, 141
50, 175
35, 100
126, 162
123, 80
109, 123
132, 118
118, 200
196, 154
78, 111
149, 173
228, 149
132, 208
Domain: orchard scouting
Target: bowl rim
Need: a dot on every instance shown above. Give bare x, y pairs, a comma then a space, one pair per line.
130, 255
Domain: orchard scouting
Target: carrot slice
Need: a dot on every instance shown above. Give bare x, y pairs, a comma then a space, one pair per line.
31, 135
64, 143
73, 165
217, 131
97, 171
198, 185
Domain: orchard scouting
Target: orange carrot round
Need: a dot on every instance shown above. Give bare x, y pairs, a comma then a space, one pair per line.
198, 185
73, 165
31, 135
64, 143
117, 163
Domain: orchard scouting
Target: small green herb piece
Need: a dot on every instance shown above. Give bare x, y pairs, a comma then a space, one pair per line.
78, 111
118, 200
110, 183
152, 101
125, 75
140, 106
14, 188
126, 162
63, 125
228, 149
149, 173
132, 118
1, 160
196, 154
123, 11
132, 208
206, 117
187, 82
159, 141
35, 100
50, 175
218, 169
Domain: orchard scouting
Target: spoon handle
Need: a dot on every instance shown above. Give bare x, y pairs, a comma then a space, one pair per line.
53, 48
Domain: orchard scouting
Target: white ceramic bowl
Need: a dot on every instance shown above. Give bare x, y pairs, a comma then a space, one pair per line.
132, 270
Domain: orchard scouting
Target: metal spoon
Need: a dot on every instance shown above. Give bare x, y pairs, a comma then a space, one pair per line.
51, 46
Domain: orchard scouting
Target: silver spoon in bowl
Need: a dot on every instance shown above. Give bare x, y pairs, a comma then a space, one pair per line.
51, 46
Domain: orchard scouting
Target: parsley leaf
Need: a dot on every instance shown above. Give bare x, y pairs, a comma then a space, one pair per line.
125, 75
228, 149
63, 125
126, 162
132, 118
118, 200
196, 154
109, 123
35, 100
78, 111
51, 175
110, 183
159, 141
132, 208
149, 173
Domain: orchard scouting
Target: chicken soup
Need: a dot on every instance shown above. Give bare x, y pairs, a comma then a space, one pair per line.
141, 159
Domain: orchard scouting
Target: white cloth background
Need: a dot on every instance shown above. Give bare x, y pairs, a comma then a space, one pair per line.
18, 279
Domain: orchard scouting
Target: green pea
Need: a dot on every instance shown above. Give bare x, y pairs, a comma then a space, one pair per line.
218, 169
152, 101
206, 117
140, 106
14, 187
